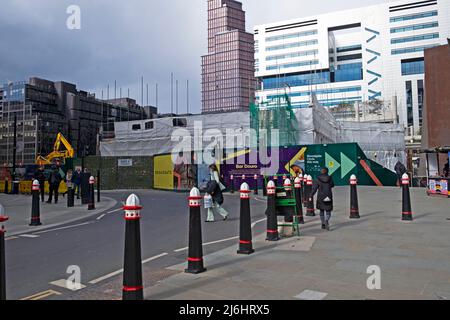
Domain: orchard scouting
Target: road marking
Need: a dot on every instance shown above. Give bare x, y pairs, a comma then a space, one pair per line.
63, 228
63, 284
223, 240
311, 295
115, 273
101, 217
29, 236
11, 238
42, 295
115, 210
155, 257
260, 200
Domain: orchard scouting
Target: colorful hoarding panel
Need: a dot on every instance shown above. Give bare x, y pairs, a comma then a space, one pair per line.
342, 160
174, 173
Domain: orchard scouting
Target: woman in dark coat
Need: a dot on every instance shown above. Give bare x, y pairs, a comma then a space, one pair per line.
324, 185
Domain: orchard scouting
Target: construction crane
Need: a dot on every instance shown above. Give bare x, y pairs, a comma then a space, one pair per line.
57, 154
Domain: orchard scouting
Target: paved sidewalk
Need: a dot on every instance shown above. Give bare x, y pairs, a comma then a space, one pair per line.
18, 208
413, 257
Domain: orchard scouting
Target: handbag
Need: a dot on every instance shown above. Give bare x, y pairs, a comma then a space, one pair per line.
208, 201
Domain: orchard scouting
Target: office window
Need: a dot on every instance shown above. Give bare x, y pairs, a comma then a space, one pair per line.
414, 16
293, 65
292, 55
415, 66
292, 45
350, 57
415, 27
292, 35
297, 80
349, 48
409, 104
415, 38
348, 72
420, 99
412, 49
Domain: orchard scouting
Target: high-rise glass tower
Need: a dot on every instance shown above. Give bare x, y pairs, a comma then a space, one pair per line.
228, 81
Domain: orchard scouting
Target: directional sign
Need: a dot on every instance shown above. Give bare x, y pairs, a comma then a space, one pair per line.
347, 165
331, 164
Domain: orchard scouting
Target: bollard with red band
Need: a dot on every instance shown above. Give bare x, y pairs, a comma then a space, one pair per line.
310, 211
275, 180
3, 218
264, 186
255, 177
91, 204
132, 269
298, 199
245, 228
305, 189
195, 259
407, 214
272, 221
354, 206
232, 184
35, 205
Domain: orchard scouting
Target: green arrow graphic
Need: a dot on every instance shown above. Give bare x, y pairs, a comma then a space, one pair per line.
331, 164
347, 165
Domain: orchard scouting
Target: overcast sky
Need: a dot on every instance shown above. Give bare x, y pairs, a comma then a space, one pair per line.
124, 40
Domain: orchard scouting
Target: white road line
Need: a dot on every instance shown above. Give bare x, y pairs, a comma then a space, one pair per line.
115, 210
29, 236
63, 228
223, 240
101, 217
155, 257
11, 238
115, 273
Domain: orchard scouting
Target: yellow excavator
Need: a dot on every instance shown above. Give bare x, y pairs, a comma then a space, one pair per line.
57, 154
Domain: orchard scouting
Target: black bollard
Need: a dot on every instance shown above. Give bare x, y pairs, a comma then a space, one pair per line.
132, 268
298, 199
275, 180
310, 211
256, 184
91, 204
3, 218
232, 184
195, 259
305, 189
245, 228
35, 205
407, 214
272, 221
98, 185
354, 207
6, 186
70, 197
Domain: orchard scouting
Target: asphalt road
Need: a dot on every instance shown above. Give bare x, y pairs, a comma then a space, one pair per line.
96, 244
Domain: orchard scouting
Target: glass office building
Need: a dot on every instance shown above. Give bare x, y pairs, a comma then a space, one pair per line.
370, 54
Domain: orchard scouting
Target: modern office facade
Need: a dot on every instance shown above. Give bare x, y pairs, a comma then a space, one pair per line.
43, 108
364, 55
228, 74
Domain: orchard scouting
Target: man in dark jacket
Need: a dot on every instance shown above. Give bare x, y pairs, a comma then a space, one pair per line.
39, 175
400, 170
54, 181
324, 185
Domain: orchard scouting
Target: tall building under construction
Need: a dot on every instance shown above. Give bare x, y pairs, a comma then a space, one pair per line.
228, 81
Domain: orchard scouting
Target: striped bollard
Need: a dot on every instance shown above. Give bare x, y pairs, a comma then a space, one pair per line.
3, 218
272, 221
91, 204
232, 184
255, 177
354, 206
195, 259
310, 211
245, 227
298, 199
132, 269
35, 205
407, 214
305, 189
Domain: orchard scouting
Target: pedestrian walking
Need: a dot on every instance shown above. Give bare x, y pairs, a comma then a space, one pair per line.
54, 180
76, 180
39, 175
323, 186
215, 188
